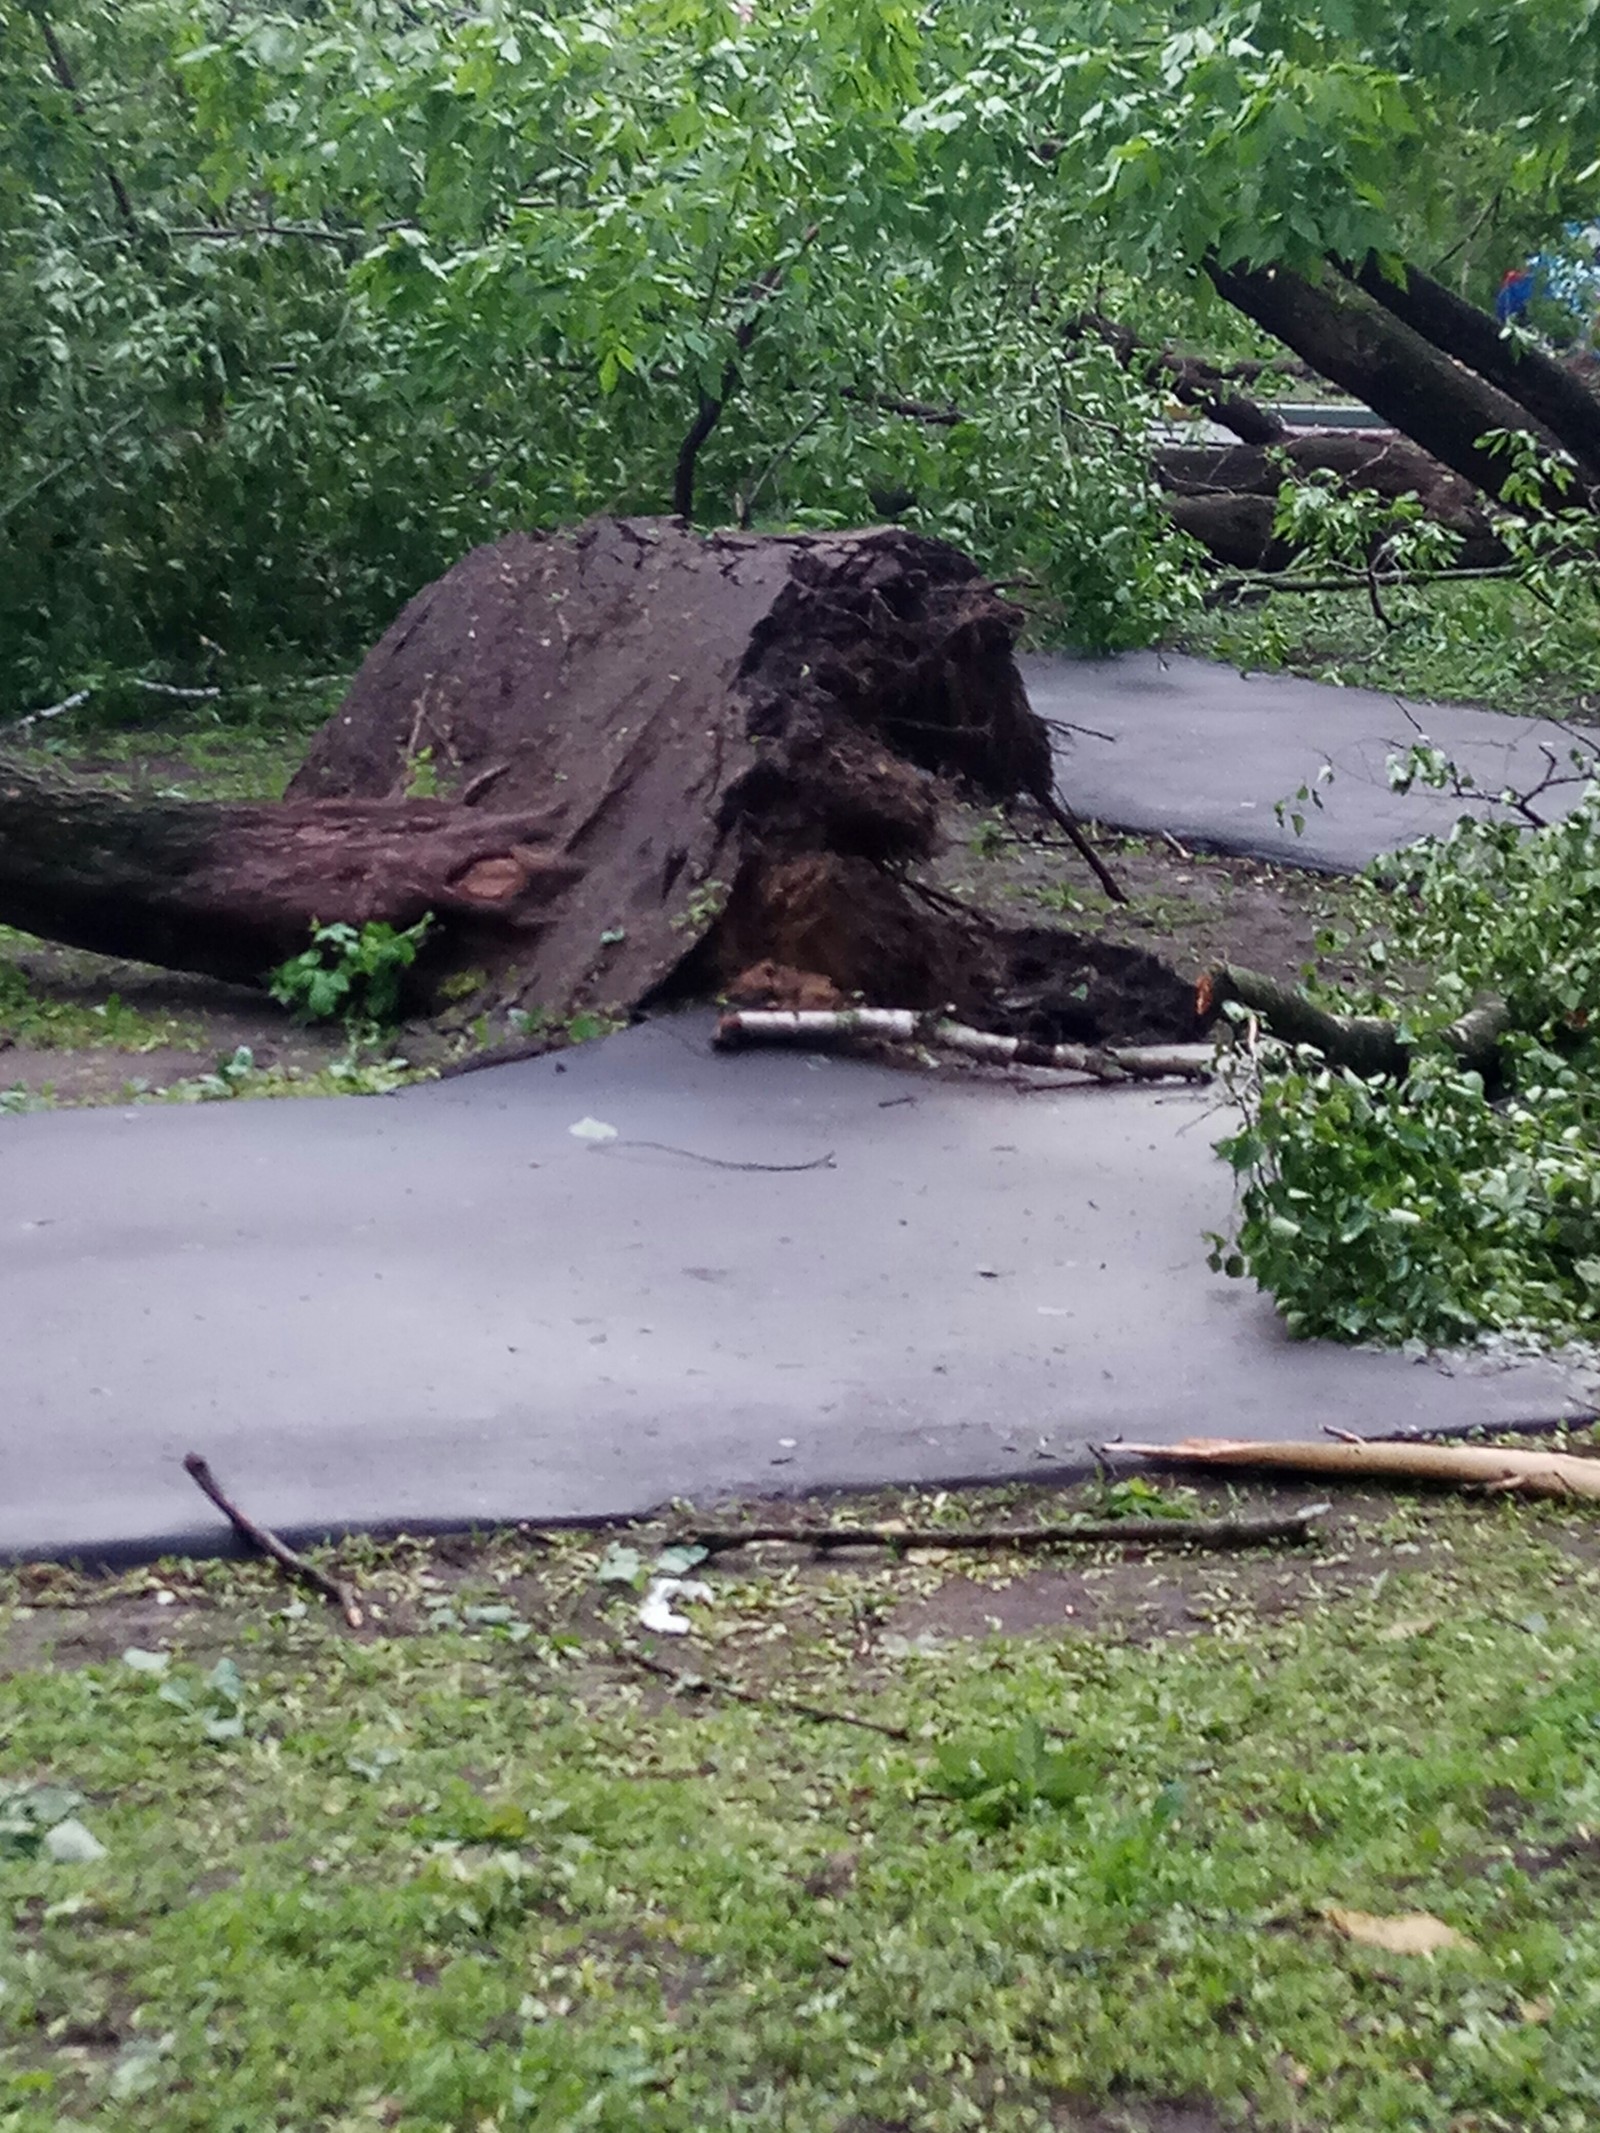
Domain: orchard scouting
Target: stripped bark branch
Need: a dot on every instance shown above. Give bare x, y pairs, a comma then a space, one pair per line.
905, 1025
1487, 1467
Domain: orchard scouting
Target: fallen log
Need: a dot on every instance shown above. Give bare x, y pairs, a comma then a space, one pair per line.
1366, 1044
1225, 495
232, 889
1082, 1532
742, 1026
1486, 1467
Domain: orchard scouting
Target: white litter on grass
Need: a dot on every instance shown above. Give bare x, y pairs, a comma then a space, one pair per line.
70, 1844
592, 1129
655, 1609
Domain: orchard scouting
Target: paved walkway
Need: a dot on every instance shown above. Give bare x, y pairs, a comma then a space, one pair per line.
1189, 746
441, 1307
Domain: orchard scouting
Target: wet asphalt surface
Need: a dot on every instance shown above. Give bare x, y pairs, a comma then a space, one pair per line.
1159, 741
442, 1307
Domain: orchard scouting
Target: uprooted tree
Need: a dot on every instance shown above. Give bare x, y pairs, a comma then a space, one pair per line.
664, 758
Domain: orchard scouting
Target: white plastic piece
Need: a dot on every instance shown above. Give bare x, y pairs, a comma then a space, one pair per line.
655, 1609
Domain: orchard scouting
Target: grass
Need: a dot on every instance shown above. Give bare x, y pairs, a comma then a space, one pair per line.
474, 1870
1488, 642
241, 747
34, 1018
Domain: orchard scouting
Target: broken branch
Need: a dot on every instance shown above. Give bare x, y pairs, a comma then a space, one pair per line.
1083, 1532
718, 1685
268, 1543
905, 1025
1468, 1466
1366, 1044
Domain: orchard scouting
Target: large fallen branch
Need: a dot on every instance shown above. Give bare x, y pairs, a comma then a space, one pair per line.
1225, 495
1470, 1466
1366, 1044
904, 1025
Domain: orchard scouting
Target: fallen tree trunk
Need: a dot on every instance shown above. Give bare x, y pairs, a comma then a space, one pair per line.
1366, 1044
1385, 363
1225, 495
1472, 1466
1549, 392
231, 890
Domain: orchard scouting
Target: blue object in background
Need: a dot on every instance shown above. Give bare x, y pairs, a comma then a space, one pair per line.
1569, 274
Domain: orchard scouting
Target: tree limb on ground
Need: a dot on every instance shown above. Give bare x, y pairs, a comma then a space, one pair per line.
1083, 1532
904, 1025
268, 1543
1538, 1473
1366, 1044
231, 888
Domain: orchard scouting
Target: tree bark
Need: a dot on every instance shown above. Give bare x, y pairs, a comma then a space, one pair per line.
1562, 1474
1366, 1044
1372, 353
1224, 494
1551, 394
231, 890
1210, 391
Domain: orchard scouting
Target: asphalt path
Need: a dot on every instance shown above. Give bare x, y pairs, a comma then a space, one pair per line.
1157, 741
443, 1307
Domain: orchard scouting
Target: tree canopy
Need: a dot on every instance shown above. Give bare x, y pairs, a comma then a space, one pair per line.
306, 299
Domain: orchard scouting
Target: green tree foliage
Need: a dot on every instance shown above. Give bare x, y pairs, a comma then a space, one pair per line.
304, 301
1437, 1206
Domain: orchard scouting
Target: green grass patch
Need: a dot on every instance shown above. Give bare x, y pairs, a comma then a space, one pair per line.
243, 746
1490, 642
478, 1871
31, 1017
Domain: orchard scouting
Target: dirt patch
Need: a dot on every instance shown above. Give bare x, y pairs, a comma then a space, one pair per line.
1137, 1597
1188, 909
1143, 2116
